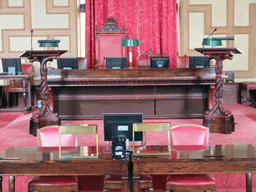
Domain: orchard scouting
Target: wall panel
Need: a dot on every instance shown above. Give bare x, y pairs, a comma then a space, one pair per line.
231, 18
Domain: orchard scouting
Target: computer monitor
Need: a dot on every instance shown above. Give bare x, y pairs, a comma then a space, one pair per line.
199, 62
121, 124
67, 63
159, 62
12, 66
116, 62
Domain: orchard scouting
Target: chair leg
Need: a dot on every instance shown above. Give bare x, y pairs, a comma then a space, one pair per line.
7, 99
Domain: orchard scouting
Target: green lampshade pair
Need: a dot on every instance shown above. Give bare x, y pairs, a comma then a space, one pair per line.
212, 42
130, 42
48, 43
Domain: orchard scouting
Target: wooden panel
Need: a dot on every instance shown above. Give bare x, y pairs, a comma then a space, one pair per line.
181, 108
81, 109
166, 93
231, 93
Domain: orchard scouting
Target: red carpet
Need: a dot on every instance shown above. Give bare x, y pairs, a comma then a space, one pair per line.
7, 117
16, 133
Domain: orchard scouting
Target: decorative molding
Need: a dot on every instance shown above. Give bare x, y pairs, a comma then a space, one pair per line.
8, 32
147, 81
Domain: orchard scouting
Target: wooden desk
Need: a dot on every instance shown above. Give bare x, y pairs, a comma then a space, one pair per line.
157, 93
246, 95
24, 78
213, 159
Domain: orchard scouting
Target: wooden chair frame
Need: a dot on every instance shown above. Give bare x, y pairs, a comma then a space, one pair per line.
144, 127
79, 129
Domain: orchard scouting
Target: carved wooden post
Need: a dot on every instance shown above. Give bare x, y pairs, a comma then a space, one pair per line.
218, 119
45, 116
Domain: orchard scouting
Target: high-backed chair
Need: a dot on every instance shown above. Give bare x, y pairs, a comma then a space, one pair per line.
144, 59
108, 42
190, 137
17, 85
49, 137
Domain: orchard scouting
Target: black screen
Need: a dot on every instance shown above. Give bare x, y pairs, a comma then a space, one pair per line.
121, 124
115, 62
199, 62
12, 66
159, 62
67, 63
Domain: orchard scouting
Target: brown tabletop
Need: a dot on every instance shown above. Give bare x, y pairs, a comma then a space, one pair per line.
183, 160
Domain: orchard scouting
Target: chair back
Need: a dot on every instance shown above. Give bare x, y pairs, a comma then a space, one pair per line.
49, 137
79, 130
27, 69
152, 127
108, 42
189, 134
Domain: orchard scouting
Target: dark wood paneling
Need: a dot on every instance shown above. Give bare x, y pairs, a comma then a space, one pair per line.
157, 93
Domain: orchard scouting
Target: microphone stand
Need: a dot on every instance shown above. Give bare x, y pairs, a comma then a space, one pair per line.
31, 40
209, 36
130, 172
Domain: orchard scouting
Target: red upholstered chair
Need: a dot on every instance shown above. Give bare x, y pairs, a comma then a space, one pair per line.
144, 59
190, 137
17, 85
49, 137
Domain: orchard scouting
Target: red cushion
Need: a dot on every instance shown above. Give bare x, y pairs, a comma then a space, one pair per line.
15, 87
190, 180
145, 179
117, 179
54, 181
49, 137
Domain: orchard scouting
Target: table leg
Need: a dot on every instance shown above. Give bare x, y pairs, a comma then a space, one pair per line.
248, 182
12, 184
248, 101
25, 96
1, 183
29, 94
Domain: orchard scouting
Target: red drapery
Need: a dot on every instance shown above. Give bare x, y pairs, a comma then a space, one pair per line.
153, 22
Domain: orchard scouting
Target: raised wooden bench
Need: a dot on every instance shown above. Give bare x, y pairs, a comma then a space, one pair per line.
246, 96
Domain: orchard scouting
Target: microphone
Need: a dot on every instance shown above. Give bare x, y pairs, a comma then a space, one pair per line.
209, 35
31, 39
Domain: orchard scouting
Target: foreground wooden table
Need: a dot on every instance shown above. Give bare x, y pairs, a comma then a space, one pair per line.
213, 159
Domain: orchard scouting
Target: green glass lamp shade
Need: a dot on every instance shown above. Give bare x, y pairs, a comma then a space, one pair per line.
48, 43
130, 42
212, 42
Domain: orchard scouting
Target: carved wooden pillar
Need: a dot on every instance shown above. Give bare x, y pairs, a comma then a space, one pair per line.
45, 116
218, 119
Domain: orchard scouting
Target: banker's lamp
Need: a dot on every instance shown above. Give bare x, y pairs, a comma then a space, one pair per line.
217, 41
48, 43
212, 42
130, 43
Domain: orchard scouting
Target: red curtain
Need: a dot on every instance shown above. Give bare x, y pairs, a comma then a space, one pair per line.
153, 22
